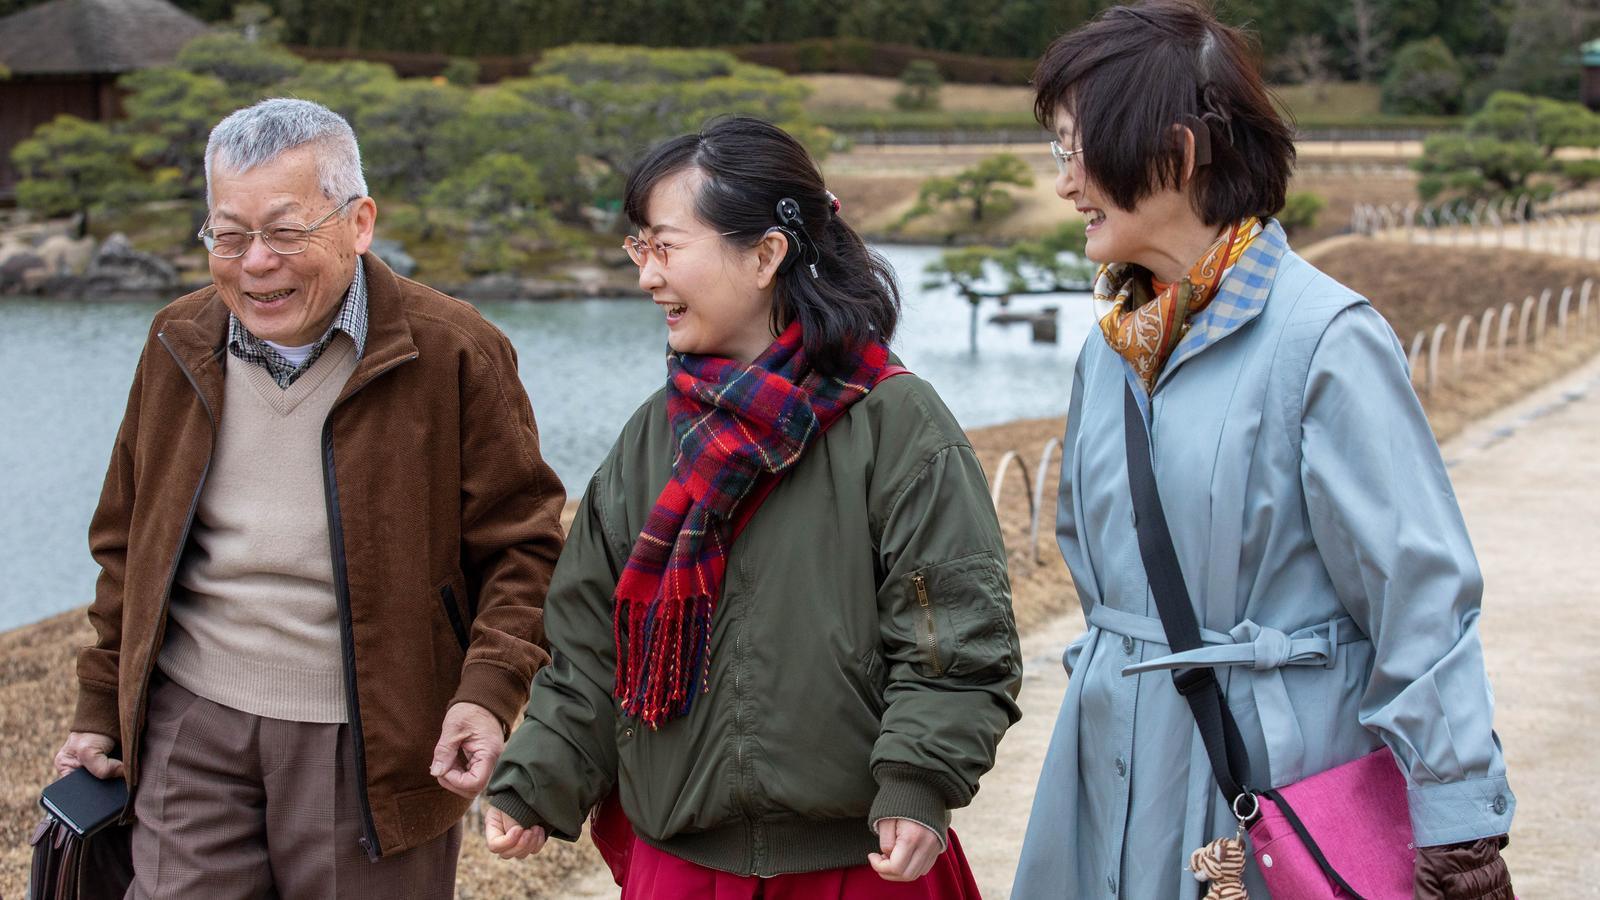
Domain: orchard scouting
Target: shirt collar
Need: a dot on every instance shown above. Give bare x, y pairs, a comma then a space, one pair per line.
351, 319
1241, 296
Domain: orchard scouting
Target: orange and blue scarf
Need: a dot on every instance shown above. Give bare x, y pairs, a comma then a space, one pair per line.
1145, 330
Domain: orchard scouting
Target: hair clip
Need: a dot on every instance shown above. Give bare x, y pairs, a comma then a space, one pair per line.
833, 202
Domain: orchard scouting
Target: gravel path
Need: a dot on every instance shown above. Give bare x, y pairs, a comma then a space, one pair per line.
1528, 480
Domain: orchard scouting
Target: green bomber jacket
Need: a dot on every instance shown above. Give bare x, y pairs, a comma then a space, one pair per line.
864, 659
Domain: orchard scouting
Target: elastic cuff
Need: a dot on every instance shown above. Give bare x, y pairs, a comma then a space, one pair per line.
510, 803
494, 687
905, 792
1460, 811
96, 711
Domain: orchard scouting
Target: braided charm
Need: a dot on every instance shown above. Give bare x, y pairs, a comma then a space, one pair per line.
1221, 862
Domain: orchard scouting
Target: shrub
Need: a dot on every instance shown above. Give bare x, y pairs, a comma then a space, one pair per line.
919, 86
1300, 211
1424, 79
461, 72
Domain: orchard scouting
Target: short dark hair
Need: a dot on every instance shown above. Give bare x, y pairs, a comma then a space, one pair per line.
749, 165
1130, 74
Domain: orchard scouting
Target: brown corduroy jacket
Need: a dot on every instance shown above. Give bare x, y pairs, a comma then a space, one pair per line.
443, 524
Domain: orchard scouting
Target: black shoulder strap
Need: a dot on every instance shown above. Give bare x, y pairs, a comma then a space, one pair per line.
1224, 744
1230, 762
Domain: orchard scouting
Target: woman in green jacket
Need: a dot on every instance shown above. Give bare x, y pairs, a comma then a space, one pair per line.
788, 692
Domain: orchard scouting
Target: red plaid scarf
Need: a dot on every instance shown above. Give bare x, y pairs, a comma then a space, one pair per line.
734, 424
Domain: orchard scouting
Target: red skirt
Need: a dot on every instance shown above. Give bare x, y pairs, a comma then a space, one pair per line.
646, 873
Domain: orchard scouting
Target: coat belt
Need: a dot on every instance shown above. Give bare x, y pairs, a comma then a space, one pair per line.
1264, 651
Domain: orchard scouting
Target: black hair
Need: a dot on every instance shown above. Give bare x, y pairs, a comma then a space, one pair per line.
748, 167
1133, 72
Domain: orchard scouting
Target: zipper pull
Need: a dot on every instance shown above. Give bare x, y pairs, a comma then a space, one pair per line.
920, 582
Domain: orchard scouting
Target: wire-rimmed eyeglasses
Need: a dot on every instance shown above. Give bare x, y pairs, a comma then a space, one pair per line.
1064, 157
640, 250
282, 238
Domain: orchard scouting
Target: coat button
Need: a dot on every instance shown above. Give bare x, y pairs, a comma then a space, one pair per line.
627, 733
1499, 805
1122, 768
1127, 644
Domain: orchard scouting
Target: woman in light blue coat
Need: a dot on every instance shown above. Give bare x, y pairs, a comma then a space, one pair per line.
1313, 519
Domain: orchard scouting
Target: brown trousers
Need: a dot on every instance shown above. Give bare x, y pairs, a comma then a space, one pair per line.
232, 805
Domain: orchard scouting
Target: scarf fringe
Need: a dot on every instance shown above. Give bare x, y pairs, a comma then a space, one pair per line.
663, 658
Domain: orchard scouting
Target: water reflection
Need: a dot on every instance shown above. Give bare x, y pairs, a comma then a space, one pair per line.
65, 369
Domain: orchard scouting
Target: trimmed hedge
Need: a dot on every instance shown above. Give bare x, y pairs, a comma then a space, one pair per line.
854, 56
424, 65
850, 56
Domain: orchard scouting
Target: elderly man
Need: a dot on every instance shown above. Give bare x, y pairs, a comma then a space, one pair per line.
325, 539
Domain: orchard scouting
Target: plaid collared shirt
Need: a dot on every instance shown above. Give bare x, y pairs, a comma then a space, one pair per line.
352, 320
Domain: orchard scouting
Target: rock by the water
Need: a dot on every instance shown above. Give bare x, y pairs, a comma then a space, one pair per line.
493, 287
119, 267
22, 272
10, 248
66, 256
394, 256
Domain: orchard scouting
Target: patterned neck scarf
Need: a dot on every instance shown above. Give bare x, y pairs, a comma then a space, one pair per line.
734, 424
1145, 330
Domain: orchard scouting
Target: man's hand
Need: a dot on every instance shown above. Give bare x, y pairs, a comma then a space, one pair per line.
85, 749
469, 745
909, 850
507, 839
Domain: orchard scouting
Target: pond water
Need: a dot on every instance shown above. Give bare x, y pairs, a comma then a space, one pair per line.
65, 369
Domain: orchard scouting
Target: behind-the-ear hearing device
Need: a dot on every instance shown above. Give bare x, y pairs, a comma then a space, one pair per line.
793, 227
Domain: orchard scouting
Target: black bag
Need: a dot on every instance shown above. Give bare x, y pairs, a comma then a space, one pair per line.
81, 849
68, 867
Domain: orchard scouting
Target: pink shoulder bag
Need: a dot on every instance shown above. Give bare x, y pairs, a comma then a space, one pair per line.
1342, 834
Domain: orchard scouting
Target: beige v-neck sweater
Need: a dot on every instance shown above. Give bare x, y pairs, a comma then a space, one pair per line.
254, 622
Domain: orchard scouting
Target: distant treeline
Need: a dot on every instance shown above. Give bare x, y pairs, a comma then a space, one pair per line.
1346, 38
1528, 45
852, 55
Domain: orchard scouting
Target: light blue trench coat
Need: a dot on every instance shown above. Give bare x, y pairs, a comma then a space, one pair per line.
1331, 572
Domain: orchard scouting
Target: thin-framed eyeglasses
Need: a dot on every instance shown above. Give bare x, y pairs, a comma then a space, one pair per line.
1064, 157
282, 238
640, 250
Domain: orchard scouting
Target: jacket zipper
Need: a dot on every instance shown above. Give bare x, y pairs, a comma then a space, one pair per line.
920, 583
341, 590
132, 754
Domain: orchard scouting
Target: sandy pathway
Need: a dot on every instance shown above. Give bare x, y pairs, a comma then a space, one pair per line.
1528, 480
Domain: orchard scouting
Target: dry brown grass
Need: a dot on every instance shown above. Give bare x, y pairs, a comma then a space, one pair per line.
866, 92
1342, 192
829, 91
878, 185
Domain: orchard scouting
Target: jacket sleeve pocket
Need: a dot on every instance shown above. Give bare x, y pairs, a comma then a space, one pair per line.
963, 618
452, 612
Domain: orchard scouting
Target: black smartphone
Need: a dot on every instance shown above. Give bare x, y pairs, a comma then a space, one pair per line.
83, 802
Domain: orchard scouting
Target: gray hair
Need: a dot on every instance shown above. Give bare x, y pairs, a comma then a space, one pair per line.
256, 135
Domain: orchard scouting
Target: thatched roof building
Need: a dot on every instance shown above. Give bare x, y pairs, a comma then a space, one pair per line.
64, 57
